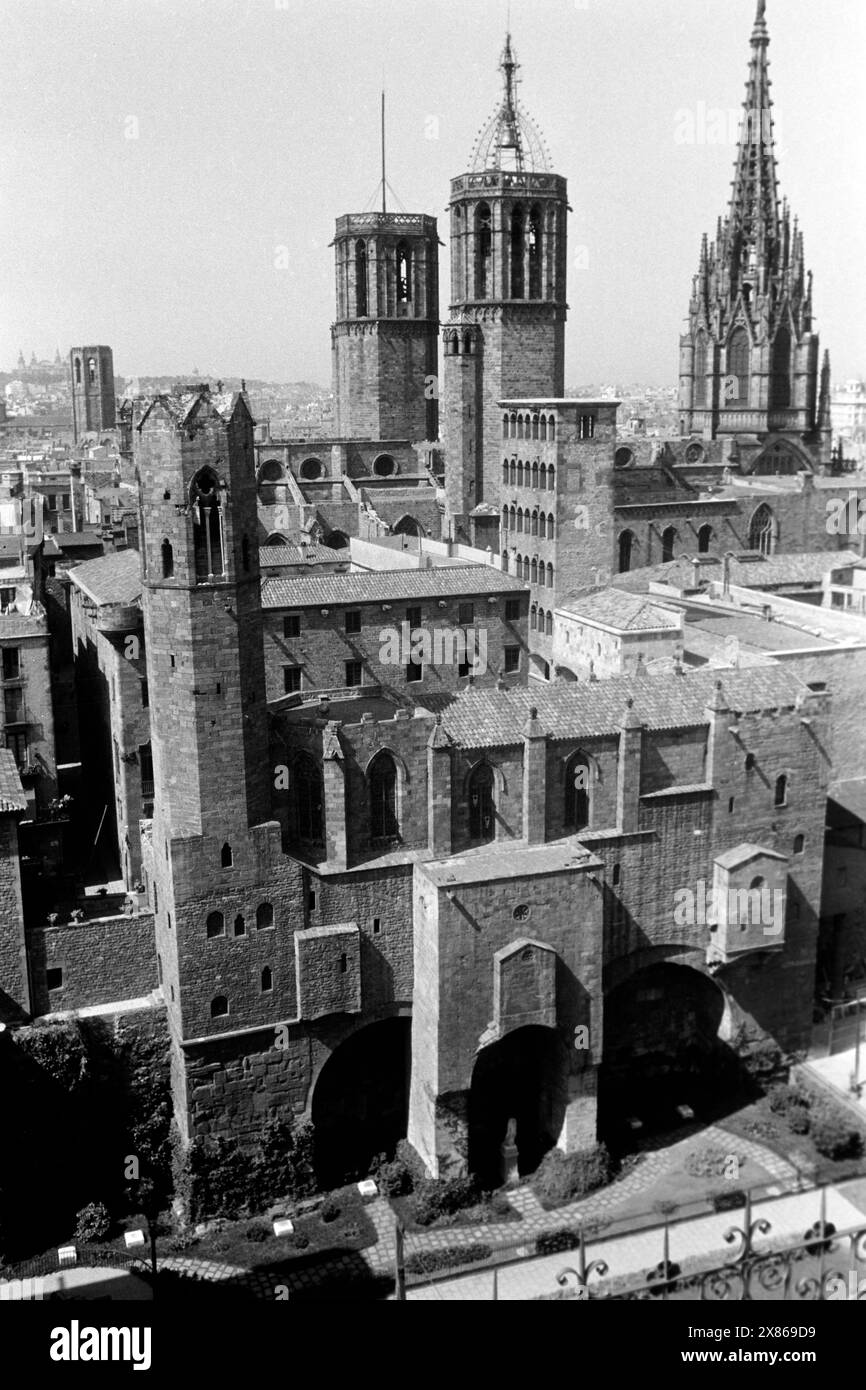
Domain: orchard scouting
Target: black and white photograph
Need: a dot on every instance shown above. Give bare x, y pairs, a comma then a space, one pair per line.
433, 638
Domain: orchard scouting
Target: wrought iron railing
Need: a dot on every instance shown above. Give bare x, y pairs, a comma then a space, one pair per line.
766, 1262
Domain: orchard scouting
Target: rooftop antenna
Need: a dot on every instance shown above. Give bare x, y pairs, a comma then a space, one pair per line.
384, 184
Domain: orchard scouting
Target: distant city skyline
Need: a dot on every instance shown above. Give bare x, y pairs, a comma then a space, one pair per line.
171, 173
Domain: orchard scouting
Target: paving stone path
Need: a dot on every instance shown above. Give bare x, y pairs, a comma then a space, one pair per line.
535, 1221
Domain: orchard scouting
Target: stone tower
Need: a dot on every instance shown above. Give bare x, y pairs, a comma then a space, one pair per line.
749, 362
384, 343
505, 335
212, 844
94, 408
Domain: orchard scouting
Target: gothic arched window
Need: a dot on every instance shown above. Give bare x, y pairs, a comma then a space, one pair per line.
701, 368
669, 540
167, 559
483, 250
576, 808
780, 371
705, 539
739, 368
404, 273
482, 816
207, 526
534, 240
762, 530
360, 279
518, 246
309, 799
78, 371
548, 624
382, 776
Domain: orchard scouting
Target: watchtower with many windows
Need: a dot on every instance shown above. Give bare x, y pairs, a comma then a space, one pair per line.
385, 339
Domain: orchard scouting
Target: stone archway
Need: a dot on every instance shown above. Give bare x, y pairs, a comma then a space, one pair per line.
361, 1101
664, 1047
521, 1077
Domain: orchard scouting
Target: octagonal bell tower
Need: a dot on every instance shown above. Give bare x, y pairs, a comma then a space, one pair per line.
505, 338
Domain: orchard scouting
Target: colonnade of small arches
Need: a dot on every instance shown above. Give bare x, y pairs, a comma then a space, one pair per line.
533, 570
526, 523
535, 425
516, 473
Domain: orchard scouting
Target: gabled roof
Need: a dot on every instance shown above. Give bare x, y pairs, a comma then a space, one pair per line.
372, 586
617, 609
741, 854
110, 579
496, 718
186, 406
275, 555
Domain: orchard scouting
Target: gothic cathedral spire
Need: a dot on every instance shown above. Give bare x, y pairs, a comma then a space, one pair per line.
749, 362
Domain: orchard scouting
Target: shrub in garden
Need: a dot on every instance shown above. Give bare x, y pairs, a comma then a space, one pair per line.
798, 1119
729, 1201
330, 1209
93, 1223
500, 1205
712, 1162
833, 1134
562, 1177
395, 1179
257, 1232
429, 1261
437, 1197
553, 1241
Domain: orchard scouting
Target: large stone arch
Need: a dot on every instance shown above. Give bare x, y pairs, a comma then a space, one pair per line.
522, 1077
668, 1028
359, 1101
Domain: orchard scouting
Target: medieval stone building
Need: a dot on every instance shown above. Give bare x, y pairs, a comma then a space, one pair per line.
416, 903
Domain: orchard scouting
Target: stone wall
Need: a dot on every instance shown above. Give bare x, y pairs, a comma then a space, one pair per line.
103, 960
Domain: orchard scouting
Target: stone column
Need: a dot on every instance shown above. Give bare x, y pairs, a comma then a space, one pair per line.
439, 791
534, 780
629, 771
579, 1126
333, 776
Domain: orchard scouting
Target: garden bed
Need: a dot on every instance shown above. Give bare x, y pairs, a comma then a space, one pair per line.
250, 1242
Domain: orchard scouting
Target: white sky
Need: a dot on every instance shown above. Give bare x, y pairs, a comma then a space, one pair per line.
257, 125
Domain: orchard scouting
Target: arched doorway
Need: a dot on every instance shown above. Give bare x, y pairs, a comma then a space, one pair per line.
662, 1049
361, 1101
336, 540
522, 1077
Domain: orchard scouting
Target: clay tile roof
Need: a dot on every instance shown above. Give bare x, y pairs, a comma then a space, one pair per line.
374, 586
270, 555
493, 718
12, 796
110, 579
615, 608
